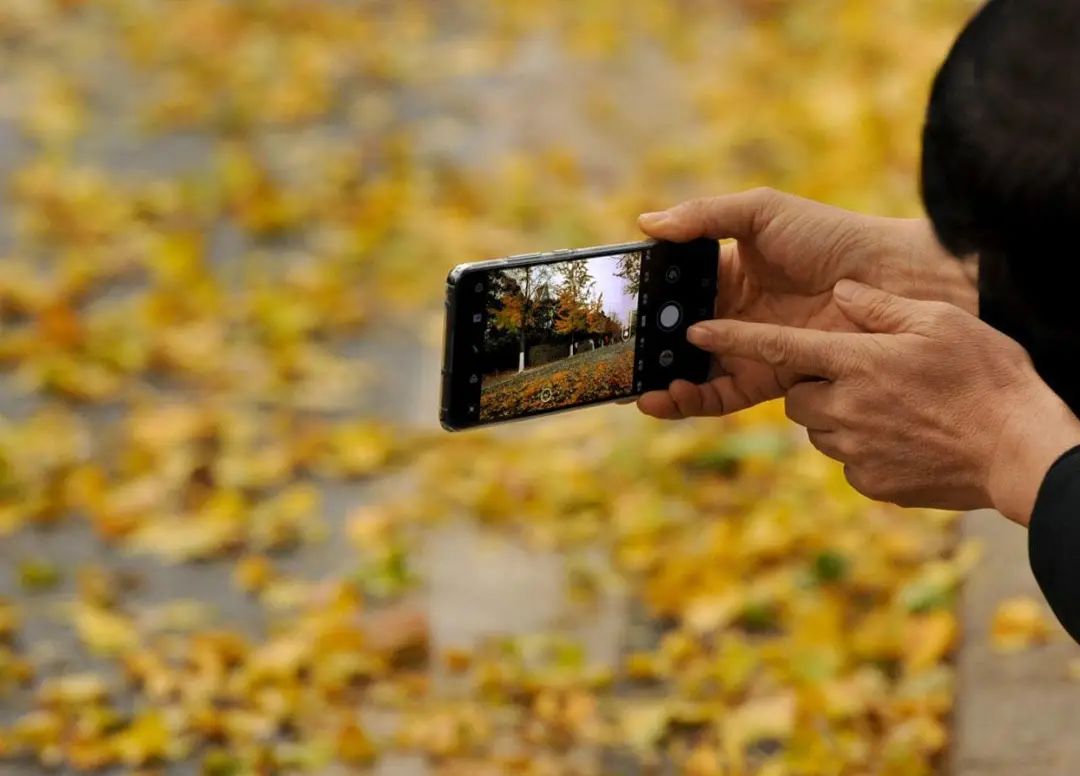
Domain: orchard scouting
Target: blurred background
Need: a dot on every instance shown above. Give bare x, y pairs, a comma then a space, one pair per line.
233, 539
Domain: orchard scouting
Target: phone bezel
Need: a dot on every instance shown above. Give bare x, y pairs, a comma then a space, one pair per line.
462, 355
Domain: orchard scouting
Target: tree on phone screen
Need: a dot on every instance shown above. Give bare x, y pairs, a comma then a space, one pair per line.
572, 313
519, 292
629, 269
600, 325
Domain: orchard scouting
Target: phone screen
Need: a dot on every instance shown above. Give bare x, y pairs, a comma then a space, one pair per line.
559, 335
538, 333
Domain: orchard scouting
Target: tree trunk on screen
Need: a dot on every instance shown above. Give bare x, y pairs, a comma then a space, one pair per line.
524, 319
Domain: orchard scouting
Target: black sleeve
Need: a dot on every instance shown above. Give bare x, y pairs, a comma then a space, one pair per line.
1054, 540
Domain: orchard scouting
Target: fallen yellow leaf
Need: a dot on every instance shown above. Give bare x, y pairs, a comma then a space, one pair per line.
1019, 623
104, 631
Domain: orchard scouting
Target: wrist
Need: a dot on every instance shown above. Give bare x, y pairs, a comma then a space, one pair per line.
1035, 433
918, 267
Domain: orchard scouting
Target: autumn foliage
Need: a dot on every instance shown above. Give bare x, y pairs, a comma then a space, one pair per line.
549, 304
218, 504
591, 376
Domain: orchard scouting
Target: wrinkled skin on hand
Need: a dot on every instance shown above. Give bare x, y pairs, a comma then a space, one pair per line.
788, 254
925, 405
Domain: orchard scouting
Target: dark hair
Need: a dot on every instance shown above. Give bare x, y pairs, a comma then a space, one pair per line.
1001, 170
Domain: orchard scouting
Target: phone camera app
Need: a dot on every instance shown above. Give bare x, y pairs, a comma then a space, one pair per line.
559, 335
670, 316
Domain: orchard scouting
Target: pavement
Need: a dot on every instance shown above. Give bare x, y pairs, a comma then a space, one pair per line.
1016, 715
476, 585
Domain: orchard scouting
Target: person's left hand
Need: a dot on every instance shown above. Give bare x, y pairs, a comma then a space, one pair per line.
932, 408
787, 255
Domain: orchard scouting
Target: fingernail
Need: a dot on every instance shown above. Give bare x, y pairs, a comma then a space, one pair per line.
698, 335
653, 219
845, 290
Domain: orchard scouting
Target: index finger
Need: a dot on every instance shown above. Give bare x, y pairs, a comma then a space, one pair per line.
807, 351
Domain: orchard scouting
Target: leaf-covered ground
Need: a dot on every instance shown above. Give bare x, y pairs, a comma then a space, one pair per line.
216, 532
584, 377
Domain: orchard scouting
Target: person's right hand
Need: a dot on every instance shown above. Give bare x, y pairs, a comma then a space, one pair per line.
788, 254
926, 405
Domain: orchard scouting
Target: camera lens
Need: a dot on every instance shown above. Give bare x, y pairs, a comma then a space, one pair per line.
673, 274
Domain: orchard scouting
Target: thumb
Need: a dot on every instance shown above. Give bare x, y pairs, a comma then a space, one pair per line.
872, 309
740, 215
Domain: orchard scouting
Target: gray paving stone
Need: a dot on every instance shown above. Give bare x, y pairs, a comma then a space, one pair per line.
1016, 714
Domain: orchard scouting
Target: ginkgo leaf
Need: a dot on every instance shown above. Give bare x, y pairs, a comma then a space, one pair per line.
1019, 623
38, 575
244, 291
10, 619
74, 690
147, 739
929, 639
102, 630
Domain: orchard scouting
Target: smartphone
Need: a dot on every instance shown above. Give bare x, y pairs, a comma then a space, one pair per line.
546, 332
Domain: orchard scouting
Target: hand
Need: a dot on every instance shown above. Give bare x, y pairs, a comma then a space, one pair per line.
788, 254
932, 408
